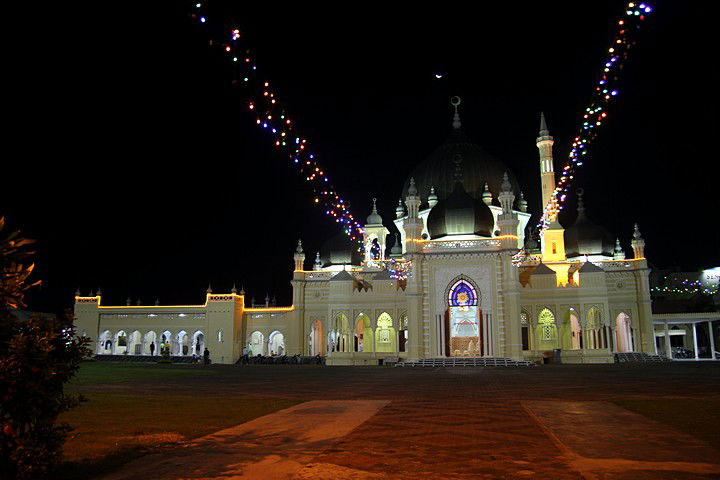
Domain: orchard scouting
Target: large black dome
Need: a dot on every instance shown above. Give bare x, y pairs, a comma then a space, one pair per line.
340, 250
586, 238
460, 214
478, 167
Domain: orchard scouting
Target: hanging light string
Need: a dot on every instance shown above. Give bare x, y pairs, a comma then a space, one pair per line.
271, 117
595, 114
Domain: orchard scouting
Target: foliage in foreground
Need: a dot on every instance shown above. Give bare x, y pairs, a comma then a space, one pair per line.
37, 357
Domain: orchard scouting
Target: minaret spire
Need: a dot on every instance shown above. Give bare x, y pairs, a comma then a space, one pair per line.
455, 101
544, 144
544, 132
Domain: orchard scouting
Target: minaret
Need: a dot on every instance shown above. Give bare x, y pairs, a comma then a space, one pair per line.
508, 220
544, 144
638, 244
413, 224
318, 263
299, 257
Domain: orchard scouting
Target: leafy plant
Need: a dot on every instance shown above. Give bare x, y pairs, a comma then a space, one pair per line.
37, 357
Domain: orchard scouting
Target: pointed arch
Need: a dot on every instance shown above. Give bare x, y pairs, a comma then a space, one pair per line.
462, 285
546, 330
257, 344
571, 331
105, 343
149, 338
276, 343
385, 338
525, 329
363, 334
317, 339
120, 342
623, 333
403, 334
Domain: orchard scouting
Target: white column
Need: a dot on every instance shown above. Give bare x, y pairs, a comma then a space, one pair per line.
712, 340
668, 351
695, 340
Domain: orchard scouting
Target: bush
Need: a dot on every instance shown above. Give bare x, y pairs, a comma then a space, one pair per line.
37, 357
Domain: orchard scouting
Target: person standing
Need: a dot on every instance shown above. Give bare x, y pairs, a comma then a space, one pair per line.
152, 348
206, 356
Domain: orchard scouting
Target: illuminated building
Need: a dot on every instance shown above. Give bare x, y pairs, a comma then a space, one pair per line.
462, 280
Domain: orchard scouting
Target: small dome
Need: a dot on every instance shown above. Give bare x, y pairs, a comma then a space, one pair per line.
586, 238
374, 218
340, 250
460, 214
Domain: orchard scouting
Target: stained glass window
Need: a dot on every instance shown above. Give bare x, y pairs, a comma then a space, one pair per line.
462, 294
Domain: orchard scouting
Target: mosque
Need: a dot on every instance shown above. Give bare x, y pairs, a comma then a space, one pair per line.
461, 280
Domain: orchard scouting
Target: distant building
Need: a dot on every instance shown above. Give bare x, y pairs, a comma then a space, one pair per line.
461, 280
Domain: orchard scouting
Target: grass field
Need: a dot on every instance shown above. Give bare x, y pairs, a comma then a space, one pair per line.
694, 416
112, 428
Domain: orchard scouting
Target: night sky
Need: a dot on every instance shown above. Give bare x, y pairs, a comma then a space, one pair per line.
130, 158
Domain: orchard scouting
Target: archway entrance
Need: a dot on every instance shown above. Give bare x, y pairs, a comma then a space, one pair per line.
623, 333
463, 334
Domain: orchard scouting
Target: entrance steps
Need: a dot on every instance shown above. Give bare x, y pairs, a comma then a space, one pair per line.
639, 357
465, 362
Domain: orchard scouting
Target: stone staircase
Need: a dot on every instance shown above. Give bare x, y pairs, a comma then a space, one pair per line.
639, 357
465, 362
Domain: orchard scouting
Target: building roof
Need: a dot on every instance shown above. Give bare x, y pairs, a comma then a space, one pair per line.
543, 269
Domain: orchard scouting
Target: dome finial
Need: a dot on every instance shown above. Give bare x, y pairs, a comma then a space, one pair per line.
506, 185
455, 101
412, 189
636, 233
299, 248
487, 196
581, 204
432, 198
399, 210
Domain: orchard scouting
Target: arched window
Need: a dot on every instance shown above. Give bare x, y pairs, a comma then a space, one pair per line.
384, 334
220, 336
547, 329
462, 294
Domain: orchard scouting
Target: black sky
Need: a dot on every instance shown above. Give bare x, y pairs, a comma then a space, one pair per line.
130, 159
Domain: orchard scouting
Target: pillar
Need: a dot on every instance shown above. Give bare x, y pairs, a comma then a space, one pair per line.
712, 340
668, 352
695, 347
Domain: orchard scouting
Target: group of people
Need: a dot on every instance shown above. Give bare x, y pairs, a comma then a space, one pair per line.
258, 359
196, 357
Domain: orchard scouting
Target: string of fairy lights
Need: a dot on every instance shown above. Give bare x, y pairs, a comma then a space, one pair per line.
596, 113
687, 286
271, 117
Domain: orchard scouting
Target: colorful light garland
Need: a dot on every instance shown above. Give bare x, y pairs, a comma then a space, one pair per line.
272, 118
596, 113
689, 287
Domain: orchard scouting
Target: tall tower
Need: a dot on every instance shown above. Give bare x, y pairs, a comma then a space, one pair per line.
544, 143
413, 224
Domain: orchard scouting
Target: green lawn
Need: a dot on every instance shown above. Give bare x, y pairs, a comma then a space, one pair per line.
112, 428
698, 417
99, 373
